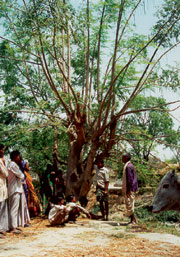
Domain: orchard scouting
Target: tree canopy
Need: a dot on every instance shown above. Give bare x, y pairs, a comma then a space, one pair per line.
73, 73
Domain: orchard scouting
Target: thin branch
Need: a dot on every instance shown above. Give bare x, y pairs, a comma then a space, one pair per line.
87, 58
18, 60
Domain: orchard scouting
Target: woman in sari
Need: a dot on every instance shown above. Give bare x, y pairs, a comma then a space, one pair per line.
33, 201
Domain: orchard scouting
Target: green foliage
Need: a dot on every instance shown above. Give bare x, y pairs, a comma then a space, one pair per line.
167, 216
95, 209
142, 129
34, 63
146, 174
167, 18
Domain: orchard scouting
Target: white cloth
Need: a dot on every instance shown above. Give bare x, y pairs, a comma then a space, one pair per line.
124, 188
71, 206
58, 214
3, 184
14, 179
14, 210
18, 211
129, 200
102, 176
23, 217
4, 222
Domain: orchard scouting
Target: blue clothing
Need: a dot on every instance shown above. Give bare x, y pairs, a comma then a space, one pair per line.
22, 168
131, 178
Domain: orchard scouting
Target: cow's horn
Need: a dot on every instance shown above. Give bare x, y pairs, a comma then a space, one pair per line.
178, 179
172, 173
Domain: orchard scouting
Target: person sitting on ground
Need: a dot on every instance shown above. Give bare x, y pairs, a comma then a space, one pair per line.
74, 208
58, 214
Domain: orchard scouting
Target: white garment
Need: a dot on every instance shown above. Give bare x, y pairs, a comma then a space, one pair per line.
4, 223
130, 200
102, 176
55, 211
14, 179
71, 206
124, 188
3, 184
14, 210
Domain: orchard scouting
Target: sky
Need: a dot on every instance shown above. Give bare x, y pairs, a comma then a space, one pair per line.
144, 20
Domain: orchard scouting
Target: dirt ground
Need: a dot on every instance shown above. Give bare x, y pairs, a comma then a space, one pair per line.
88, 238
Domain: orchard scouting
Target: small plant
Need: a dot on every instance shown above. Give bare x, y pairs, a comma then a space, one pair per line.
95, 209
162, 222
122, 235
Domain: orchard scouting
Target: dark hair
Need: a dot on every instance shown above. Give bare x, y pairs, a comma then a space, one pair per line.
127, 156
14, 154
69, 198
99, 160
58, 199
1, 146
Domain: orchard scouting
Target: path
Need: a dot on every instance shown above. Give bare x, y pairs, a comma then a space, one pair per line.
87, 238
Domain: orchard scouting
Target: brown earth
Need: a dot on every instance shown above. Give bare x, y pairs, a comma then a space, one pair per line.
88, 238
92, 237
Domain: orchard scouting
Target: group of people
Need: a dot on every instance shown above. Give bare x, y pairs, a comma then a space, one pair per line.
17, 195
130, 186
52, 185
63, 211
18, 199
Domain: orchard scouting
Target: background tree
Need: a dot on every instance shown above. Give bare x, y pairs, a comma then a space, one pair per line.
144, 131
80, 69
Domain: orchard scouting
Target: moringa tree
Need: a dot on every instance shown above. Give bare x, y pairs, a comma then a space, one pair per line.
80, 67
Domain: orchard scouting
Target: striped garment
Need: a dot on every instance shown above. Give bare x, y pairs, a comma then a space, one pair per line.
18, 210
14, 179
4, 222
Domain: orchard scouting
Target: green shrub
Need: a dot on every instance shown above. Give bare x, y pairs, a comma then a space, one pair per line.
143, 214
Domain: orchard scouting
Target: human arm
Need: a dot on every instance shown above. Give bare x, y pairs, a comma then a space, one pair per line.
75, 205
106, 187
106, 180
13, 167
3, 169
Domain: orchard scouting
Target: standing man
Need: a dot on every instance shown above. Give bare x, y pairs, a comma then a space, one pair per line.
15, 189
130, 185
102, 183
3, 194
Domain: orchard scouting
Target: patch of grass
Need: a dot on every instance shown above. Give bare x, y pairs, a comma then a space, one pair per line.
162, 222
95, 209
122, 235
166, 216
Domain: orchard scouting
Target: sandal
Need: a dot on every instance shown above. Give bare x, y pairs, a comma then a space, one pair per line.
16, 231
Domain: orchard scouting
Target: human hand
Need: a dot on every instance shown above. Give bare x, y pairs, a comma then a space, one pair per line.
89, 215
128, 194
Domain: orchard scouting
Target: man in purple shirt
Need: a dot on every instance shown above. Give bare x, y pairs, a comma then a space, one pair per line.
130, 185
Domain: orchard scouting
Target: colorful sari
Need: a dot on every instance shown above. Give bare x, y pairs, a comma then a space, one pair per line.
33, 201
